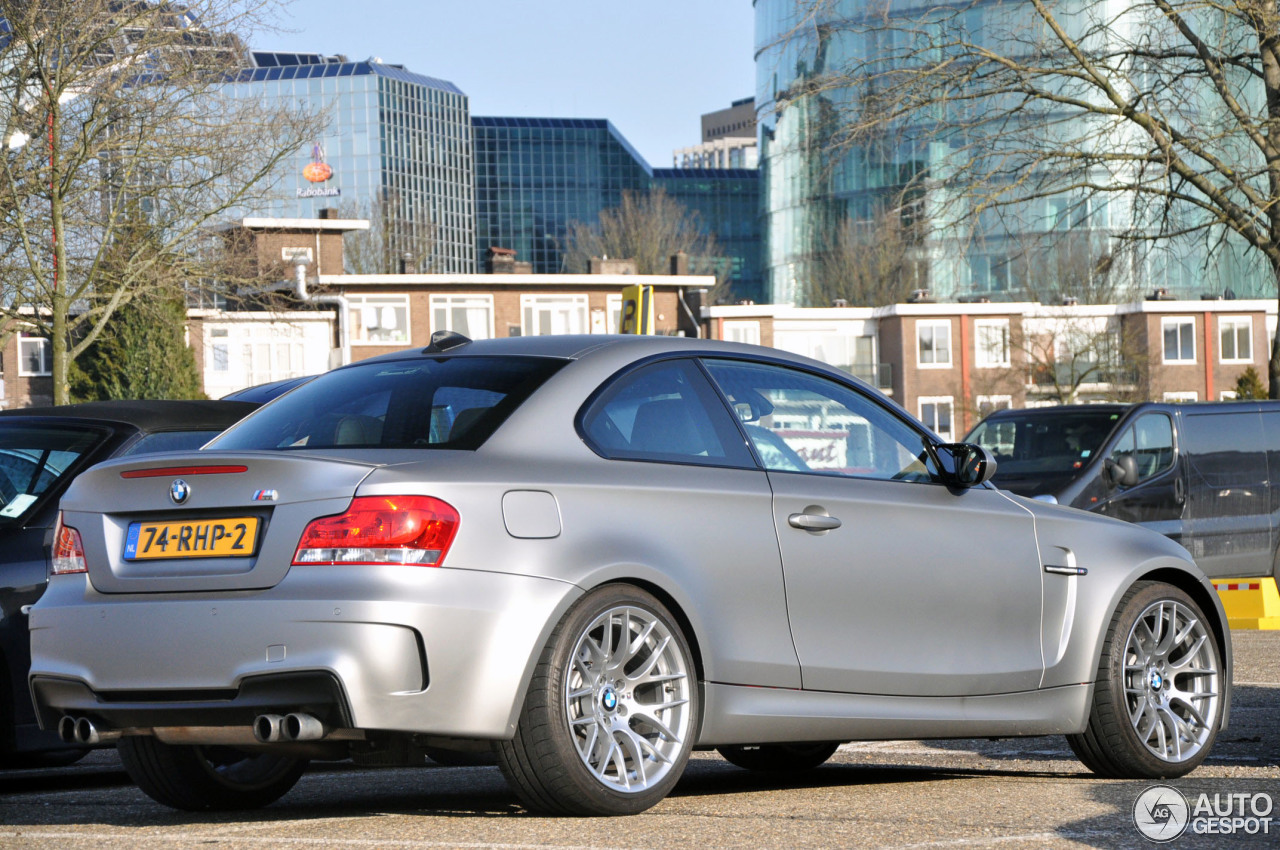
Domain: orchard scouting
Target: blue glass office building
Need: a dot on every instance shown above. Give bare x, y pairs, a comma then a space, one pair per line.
727, 201
394, 135
534, 176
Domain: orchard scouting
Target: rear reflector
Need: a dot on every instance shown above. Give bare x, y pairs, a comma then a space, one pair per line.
68, 551
168, 471
414, 530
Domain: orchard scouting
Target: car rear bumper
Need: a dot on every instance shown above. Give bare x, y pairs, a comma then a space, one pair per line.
410, 649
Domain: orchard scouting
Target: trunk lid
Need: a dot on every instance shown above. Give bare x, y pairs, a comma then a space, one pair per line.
133, 530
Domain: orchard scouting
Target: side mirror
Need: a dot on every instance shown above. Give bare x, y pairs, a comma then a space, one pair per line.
970, 465
1120, 471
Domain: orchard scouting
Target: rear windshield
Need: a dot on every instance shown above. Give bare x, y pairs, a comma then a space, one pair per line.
35, 458
1040, 443
445, 403
169, 441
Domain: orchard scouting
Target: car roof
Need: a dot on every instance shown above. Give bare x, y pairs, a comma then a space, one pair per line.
577, 346
1057, 410
150, 415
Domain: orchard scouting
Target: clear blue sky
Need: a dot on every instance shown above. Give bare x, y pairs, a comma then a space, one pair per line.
652, 67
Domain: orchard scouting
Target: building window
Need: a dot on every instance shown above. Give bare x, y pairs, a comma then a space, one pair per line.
1235, 334
989, 404
1180, 397
742, 332
1179, 340
1228, 395
991, 347
935, 412
553, 314
35, 356
379, 319
220, 351
933, 344
469, 315
613, 314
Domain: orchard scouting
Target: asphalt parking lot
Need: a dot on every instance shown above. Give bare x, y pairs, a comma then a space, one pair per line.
898, 794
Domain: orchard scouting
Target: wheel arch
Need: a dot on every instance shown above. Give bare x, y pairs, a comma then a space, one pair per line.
1202, 593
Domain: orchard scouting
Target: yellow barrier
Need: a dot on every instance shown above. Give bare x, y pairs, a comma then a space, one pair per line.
1250, 603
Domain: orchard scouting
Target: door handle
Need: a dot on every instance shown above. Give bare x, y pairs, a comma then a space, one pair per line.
813, 522
1179, 490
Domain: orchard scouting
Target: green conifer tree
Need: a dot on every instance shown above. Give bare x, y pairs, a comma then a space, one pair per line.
1249, 385
142, 354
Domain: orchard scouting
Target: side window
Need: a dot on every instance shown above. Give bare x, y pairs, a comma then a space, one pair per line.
1150, 442
664, 412
800, 422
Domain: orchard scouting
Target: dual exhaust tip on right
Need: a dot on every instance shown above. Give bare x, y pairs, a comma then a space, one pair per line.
273, 728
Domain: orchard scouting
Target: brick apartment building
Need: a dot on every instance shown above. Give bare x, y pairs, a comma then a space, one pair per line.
949, 364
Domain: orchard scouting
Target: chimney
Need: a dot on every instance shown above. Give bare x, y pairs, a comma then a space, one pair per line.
408, 265
327, 214
679, 263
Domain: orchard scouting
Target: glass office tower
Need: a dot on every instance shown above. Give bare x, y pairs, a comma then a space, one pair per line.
536, 175
727, 202
395, 138
813, 183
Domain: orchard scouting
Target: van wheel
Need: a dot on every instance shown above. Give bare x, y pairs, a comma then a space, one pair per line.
612, 711
780, 757
1157, 703
197, 778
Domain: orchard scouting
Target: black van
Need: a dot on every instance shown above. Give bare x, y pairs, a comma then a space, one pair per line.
1205, 474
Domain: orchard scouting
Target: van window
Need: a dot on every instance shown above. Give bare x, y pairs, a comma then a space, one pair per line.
1150, 442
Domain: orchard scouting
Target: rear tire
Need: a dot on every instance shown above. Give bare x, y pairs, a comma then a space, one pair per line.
1157, 703
195, 778
780, 757
612, 711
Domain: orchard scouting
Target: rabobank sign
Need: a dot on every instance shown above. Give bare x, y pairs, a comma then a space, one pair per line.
319, 192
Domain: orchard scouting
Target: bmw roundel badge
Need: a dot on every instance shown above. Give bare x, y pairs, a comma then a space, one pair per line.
179, 490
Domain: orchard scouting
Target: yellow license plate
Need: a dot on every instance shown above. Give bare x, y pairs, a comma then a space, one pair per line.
234, 537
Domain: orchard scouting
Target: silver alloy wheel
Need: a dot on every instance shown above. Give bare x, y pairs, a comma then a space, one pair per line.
627, 698
1171, 683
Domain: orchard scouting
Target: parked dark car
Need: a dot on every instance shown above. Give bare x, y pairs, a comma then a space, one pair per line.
41, 451
263, 393
1206, 475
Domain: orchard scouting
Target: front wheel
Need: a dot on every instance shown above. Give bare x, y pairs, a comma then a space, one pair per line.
197, 778
611, 713
1157, 704
780, 757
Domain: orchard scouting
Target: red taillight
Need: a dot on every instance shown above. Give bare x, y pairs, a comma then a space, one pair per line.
68, 551
415, 530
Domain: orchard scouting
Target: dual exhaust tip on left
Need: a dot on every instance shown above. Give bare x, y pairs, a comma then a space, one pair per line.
267, 728
81, 730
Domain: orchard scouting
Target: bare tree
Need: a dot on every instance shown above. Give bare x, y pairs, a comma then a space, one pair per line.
647, 227
121, 119
871, 262
1074, 356
392, 237
1163, 113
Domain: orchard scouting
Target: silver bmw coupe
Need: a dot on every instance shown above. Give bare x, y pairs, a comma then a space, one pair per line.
589, 556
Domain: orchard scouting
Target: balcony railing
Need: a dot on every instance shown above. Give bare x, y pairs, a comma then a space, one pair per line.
878, 375
1067, 375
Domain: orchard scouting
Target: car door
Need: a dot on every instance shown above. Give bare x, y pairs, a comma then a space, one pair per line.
1228, 522
896, 583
